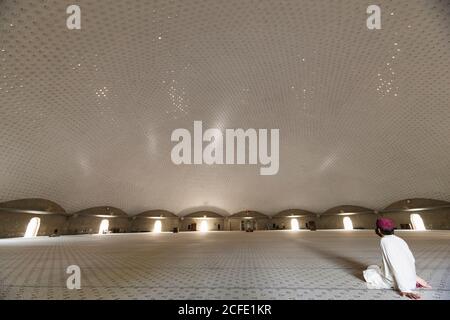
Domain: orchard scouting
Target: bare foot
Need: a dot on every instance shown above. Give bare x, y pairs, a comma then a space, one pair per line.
420, 283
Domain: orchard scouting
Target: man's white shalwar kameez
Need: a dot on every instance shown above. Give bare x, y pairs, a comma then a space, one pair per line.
398, 269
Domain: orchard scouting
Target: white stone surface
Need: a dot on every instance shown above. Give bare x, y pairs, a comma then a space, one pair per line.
215, 265
87, 115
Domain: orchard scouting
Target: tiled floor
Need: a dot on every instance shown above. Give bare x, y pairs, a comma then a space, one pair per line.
216, 265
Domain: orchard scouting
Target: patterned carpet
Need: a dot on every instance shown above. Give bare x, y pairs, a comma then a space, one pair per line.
214, 265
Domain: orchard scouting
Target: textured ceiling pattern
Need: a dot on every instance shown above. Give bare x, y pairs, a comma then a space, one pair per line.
86, 115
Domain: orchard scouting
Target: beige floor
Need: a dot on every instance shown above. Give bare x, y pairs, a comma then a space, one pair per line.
216, 265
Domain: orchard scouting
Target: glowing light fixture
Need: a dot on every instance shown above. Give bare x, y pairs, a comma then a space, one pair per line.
32, 228
294, 225
417, 222
104, 226
157, 226
348, 225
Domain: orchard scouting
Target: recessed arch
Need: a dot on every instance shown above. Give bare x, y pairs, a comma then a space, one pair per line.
347, 209
417, 203
33, 204
102, 212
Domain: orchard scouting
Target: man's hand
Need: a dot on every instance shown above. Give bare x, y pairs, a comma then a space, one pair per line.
410, 295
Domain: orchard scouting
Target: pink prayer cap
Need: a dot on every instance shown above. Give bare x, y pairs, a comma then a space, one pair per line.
385, 224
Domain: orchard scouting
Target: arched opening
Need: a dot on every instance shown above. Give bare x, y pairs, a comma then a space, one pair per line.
204, 226
248, 224
348, 224
417, 222
104, 227
294, 225
32, 228
157, 227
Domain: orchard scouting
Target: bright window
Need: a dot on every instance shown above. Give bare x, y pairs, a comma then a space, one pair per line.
157, 227
32, 228
348, 225
417, 222
294, 224
104, 227
204, 226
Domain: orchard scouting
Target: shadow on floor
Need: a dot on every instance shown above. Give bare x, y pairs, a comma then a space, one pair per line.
352, 266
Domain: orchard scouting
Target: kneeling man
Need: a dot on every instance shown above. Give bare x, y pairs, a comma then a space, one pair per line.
398, 270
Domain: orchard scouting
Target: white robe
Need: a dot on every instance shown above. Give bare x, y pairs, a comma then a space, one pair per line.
398, 269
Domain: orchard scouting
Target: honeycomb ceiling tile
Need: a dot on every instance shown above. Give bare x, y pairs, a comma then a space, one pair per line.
86, 115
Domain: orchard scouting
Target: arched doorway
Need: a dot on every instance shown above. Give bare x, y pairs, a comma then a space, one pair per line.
104, 227
294, 225
417, 222
204, 226
157, 227
348, 224
248, 224
32, 228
